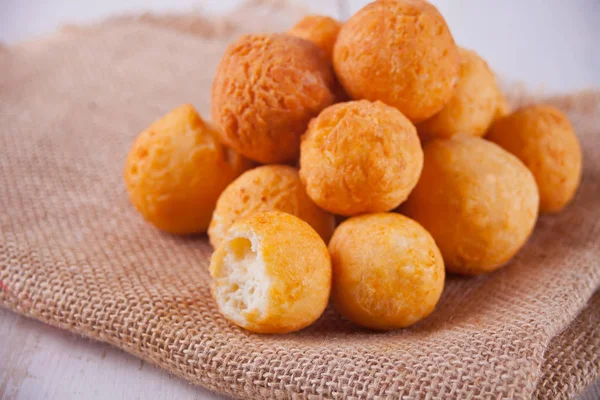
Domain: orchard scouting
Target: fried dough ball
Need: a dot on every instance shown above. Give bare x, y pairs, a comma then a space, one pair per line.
360, 157
473, 106
400, 52
322, 31
266, 90
267, 188
319, 29
271, 274
542, 137
478, 201
387, 271
177, 169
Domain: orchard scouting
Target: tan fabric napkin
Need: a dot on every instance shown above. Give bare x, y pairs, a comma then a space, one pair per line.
75, 254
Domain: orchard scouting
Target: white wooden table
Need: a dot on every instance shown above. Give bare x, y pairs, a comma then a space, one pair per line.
550, 44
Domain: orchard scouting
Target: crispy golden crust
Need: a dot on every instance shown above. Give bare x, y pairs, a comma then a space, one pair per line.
478, 201
298, 265
387, 271
266, 90
319, 29
359, 157
400, 52
177, 169
473, 105
322, 31
542, 137
267, 188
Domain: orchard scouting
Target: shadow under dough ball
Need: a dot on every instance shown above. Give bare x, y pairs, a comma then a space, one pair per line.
266, 90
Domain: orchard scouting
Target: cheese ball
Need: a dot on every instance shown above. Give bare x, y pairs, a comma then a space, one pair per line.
400, 52
322, 31
542, 137
473, 106
267, 188
177, 169
478, 201
271, 274
387, 271
319, 29
360, 157
266, 90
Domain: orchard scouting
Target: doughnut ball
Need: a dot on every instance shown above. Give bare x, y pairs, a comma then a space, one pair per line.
542, 137
473, 106
478, 201
177, 169
400, 52
387, 271
271, 274
322, 31
319, 29
266, 90
267, 188
359, 157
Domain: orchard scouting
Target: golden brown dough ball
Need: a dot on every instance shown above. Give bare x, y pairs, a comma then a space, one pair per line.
319, 29
271, 274
360, 157
542, 137
400, 52
322, 31
266, 90
387, 271
267, 188
473, 106
177, 169
478, 201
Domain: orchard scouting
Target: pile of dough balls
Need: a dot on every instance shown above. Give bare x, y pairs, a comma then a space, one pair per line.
382, 126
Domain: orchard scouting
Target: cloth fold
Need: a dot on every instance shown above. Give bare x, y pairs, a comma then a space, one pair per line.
76, 255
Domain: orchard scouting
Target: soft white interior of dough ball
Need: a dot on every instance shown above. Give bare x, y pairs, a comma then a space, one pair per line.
243, 284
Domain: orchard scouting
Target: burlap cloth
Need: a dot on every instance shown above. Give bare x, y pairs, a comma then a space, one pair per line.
75, 254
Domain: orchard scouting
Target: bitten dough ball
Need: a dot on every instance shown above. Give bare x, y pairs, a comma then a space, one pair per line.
400, 52
473, 106
266, 90
177, 169
267, 188
359, 157
271, 274
478, 201
542, 137
320, 30
387, 271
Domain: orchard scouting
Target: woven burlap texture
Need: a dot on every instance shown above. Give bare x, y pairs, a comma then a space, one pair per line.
75, 254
